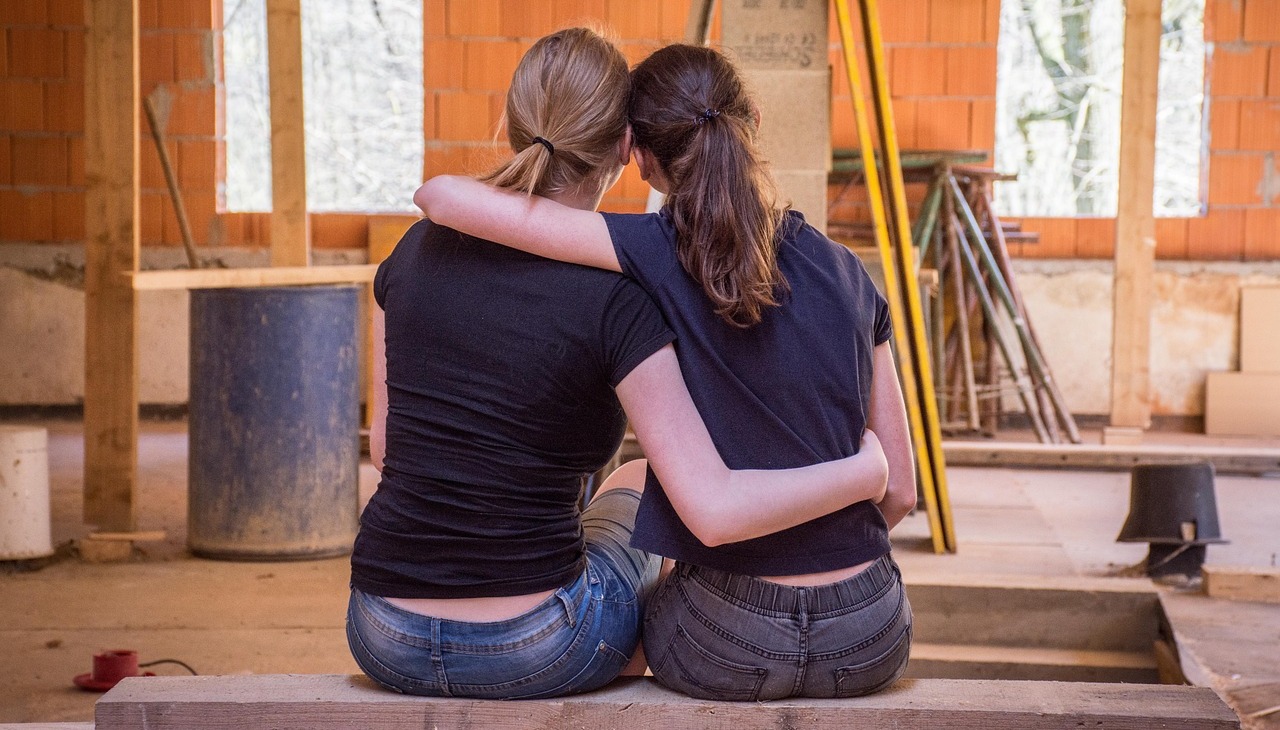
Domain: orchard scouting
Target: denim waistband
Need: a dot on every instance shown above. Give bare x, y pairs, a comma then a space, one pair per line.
764, 595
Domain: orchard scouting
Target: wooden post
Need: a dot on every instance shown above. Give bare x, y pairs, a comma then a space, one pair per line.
290, 229
1135, 221
111, 250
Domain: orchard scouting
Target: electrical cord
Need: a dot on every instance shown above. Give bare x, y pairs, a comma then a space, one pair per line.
182, 664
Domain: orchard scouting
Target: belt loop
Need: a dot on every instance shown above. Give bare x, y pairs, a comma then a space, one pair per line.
568, 606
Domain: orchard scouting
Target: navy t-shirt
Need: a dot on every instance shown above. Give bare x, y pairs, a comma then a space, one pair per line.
790, 391
500, 375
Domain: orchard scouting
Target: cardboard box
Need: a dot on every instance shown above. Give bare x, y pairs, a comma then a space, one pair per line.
807, 192
775, 34
1242, 404
795, 117
1260, 329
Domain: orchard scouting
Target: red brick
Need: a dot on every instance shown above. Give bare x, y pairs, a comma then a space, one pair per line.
6, 160
472, 18
150, 172
434, 21
675, 16
1171, 238
1057, 237
497, 113
4, 53
197, 164
489, 64
1261, 21
1234, 178
36, 53
1224, 125
917, 71
1273, 77
75, 161
464, 116
905, 122
23, 105
155, 58
151, 226
194, 112
637, 52
193, 56
148, 14
844, 132
1262, 234
1260, 126
40, 161
1222, 20
957, 21
900, 22
982, 128
170, 233
339, 230
634, 20
444, 63
194, 14
68, 216
524, 19
64, 107
1217, 236
12, 215
75, 53
23, 12
971, 71
66, 12
942, 124
459, 159
37, 223
1095, 238
202, 211
1238, 71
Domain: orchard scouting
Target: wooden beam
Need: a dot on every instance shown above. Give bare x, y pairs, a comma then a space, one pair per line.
322, 702
111, 247
1110, 457
1239, 583
271, 276
290, 229
1135, 221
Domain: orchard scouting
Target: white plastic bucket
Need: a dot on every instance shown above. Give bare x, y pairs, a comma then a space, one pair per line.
24, 493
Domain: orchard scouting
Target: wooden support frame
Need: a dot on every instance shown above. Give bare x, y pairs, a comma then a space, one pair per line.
112, 246
269, 276
1135, 242
290, 227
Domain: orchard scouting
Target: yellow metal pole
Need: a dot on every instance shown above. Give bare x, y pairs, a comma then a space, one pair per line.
893, 292
906, 255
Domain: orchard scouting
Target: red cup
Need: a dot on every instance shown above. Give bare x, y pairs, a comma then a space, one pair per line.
109, 668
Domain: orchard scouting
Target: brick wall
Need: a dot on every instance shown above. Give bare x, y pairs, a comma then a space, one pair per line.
942, 64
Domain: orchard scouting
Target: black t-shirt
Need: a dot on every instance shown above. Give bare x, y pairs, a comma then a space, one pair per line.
500, 375
790, 391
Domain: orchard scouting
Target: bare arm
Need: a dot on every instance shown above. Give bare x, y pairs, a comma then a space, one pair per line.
378, 426
528, 222
887, 416
720, 505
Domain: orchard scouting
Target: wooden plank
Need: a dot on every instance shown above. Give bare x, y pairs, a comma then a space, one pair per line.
1225, 460
1240, 583
321, 702
1135, 220
111, 246
969, 661
290, 228
270, 276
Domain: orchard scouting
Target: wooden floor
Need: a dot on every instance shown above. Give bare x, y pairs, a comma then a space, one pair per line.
1015, 527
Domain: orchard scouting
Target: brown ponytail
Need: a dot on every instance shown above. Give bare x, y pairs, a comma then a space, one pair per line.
690, 109
565, 113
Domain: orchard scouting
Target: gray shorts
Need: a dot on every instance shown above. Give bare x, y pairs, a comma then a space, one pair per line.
723, 636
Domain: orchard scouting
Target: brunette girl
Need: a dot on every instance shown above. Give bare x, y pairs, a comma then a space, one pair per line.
783, 342
500, 375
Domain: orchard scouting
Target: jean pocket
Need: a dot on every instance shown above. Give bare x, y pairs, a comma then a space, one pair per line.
876, 674
698, 672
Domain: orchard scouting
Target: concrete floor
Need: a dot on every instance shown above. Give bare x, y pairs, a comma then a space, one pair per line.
287, 617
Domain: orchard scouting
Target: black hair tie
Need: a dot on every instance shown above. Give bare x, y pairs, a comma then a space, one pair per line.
706, 116
551, 149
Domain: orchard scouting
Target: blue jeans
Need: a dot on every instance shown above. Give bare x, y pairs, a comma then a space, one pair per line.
722, 636
576, 640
